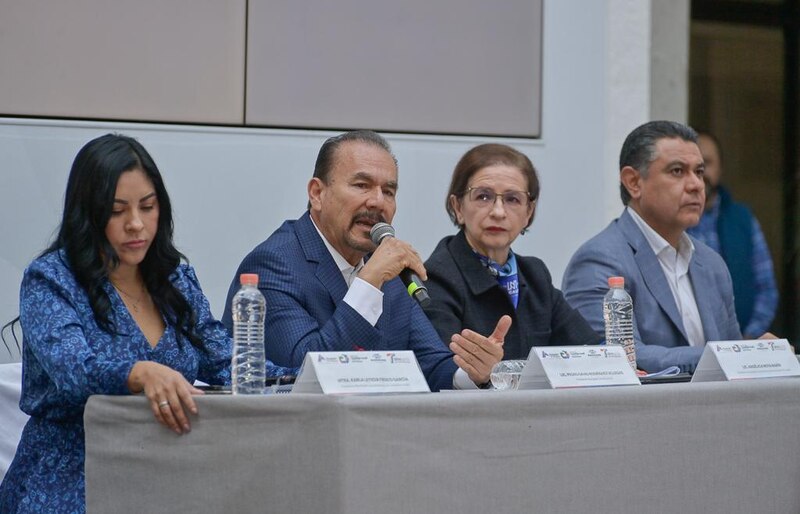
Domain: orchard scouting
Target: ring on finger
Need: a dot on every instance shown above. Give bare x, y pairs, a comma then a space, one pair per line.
163, 404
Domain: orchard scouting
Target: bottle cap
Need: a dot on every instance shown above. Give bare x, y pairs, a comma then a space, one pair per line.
248, 279
616, 281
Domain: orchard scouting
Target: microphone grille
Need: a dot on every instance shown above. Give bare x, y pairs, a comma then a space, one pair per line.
379, 231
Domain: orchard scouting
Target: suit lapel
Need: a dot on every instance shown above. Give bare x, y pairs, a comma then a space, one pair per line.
651, 271
316, 252
479, 280
704, 286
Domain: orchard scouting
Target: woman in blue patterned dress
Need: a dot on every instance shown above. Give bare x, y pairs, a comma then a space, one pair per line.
109, 308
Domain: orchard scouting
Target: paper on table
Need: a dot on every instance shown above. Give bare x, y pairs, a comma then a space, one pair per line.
668, 372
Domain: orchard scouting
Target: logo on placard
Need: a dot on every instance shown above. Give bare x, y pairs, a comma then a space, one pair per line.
564, 354
398, 359
737, 348
774, 348
377, 357
344, 359
320, 358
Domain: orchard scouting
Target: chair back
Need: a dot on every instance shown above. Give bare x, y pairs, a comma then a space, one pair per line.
12, 420
11, 347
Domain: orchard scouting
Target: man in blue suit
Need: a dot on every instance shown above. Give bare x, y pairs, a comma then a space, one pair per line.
681, 289
328, 288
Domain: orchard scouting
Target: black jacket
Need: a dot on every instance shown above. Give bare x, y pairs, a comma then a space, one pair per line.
465, 295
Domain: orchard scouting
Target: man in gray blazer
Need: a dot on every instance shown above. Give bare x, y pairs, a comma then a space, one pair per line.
681, 289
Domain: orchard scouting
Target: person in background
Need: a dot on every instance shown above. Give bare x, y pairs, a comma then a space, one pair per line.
474, 278
108, 308
681, 289
329, 288
730, 229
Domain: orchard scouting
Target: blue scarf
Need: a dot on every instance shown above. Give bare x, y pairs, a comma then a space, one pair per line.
506, 275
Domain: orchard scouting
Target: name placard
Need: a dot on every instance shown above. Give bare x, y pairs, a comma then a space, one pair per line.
559, 367
360, 373
742, 360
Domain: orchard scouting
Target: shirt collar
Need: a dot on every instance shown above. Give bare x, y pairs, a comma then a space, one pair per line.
658, 243
340, 261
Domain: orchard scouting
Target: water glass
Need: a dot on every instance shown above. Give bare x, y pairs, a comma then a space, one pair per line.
505, 374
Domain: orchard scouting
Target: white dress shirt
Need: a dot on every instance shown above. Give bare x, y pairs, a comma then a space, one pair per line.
675, 264
367, 300
363, 297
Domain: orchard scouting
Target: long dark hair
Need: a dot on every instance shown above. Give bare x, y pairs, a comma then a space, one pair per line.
88, 203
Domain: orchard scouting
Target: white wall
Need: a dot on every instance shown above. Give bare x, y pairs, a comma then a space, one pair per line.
627, 92
669, 68
232, 187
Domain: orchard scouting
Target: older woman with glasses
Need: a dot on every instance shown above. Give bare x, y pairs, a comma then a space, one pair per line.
474, 277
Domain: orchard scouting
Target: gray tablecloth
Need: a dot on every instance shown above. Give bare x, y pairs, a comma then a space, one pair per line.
700, 448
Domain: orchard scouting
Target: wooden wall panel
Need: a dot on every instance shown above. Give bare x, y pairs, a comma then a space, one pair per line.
156, 60
431, 66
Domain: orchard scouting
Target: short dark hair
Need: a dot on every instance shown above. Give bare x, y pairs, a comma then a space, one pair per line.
482, 156
327, 152
639, 148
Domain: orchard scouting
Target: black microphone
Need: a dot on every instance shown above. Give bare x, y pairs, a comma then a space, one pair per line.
413, 284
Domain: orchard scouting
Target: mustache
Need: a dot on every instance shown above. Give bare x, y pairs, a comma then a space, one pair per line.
368, 217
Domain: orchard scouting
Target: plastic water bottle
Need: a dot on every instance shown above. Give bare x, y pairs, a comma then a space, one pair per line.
248, 367
618, 317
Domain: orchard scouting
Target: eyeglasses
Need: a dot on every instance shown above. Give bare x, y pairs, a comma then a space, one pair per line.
485, 198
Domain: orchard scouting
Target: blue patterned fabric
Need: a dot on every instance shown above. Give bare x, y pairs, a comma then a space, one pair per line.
67, 357
755, 278
304, 290
506, 275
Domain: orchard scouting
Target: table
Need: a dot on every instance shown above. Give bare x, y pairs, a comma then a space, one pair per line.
706, 448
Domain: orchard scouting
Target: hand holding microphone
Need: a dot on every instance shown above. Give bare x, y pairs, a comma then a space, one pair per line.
395, 258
